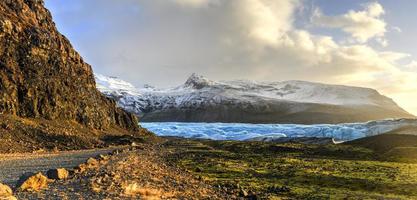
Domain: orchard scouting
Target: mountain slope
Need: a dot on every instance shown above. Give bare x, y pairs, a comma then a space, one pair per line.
42, 76
202, 100
48, 95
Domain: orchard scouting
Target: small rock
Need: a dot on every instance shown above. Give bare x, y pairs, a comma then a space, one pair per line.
5, 191
80, 168
91, 162
57, 174
34, 183
243, 193
103, 157
198, 169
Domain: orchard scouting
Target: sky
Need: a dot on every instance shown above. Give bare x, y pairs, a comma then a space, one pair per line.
162, 42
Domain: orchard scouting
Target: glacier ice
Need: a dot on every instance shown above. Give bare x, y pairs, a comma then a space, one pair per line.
238, 131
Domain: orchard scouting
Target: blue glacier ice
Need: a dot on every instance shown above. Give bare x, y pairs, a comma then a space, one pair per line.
239, 131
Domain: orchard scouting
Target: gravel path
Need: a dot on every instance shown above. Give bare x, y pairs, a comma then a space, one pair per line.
13, 166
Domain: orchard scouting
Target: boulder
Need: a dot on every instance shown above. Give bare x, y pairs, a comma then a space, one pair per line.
58, 174
6, 193
33, 183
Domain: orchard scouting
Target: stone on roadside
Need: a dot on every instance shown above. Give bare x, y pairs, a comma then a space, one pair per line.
103, 157
92, 162
6, 193
34, 183
243, 193
57, 174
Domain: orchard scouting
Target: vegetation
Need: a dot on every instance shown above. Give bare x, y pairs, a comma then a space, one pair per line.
295, 171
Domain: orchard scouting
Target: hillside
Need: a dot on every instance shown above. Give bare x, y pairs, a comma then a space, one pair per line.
398, 138
202, 100
43, 79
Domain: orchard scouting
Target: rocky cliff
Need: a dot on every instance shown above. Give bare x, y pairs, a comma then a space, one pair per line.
43, 77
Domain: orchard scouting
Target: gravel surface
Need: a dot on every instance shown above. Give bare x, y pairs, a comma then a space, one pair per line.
13, 166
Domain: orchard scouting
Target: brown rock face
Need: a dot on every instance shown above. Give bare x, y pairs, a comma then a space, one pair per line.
42, 76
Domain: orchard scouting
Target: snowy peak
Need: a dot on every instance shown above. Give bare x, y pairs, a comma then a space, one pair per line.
114, 84
197, 82
200, 99
297, 91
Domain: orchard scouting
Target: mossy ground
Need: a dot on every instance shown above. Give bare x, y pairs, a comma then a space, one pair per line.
295, 171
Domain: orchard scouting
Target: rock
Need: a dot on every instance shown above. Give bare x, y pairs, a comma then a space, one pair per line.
80, 168
5, 191
34, 183
243, 193
92, 162
279, 189
198, 169
133, 189
103, 157
57, 174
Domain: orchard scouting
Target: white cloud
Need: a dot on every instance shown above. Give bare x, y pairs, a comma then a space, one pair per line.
412, 66
397, 29
361, 25
195, 3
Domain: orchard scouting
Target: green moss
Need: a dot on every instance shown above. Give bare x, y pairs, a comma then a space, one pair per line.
296, 171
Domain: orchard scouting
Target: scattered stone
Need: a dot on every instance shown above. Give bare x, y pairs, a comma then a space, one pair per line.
34, 183
80, 168
133, 189
103, 157
6, 193
57, 174
243, 193
279, 189
198, 169
92, 163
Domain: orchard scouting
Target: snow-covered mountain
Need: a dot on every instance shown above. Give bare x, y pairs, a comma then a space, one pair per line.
202, 100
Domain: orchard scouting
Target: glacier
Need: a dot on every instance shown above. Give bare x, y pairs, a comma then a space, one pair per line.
241, 131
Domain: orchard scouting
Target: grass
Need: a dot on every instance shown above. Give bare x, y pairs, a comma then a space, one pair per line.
296, 171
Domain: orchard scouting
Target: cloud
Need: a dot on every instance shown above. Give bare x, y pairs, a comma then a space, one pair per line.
397, 29
194, 3
161, 42
361, 25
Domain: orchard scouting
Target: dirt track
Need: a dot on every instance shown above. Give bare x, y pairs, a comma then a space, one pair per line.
13, 166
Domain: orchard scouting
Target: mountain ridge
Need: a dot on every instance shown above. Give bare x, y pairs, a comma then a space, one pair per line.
200, 99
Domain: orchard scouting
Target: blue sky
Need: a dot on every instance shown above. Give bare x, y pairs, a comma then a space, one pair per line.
161, 42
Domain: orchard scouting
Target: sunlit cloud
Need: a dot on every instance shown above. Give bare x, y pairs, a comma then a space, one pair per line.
361, 25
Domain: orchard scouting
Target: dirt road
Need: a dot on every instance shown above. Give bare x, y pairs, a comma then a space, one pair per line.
13, 166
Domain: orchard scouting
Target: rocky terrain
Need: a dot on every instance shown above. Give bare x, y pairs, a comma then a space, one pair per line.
203, 169
202, 100
111, 177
